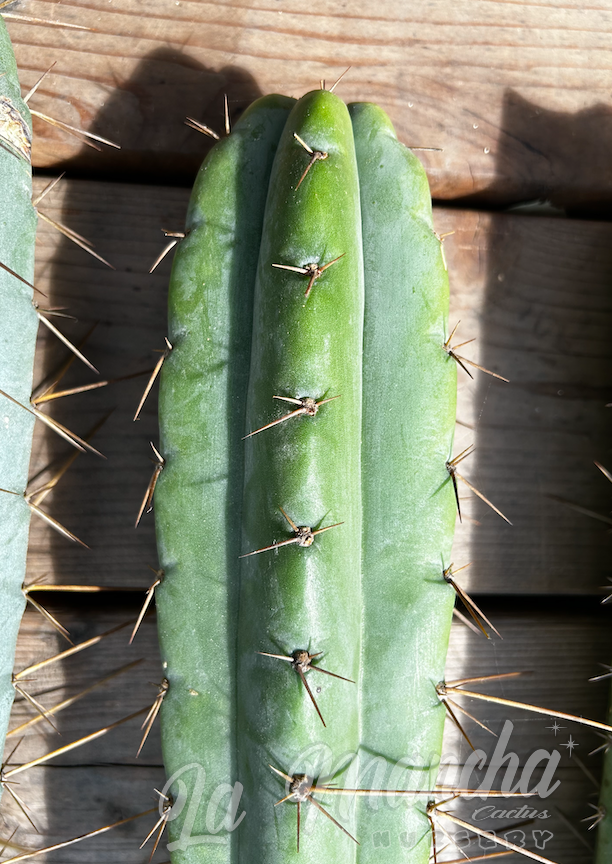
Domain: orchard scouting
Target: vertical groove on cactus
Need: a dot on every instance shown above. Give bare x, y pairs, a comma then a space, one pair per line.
17, 344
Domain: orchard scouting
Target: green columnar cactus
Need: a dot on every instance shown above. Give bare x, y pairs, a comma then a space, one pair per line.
335, 300
17, 344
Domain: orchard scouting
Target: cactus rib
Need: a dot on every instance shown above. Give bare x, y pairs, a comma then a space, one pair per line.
202, 406
307, 594
409, 393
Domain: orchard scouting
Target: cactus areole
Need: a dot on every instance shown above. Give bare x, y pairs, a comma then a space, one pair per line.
305, 512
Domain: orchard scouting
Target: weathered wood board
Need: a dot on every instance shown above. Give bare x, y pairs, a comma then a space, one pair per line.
534, 291
103, 781
516, 94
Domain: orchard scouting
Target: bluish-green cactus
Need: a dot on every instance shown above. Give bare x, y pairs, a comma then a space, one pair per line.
17, 344
310, 274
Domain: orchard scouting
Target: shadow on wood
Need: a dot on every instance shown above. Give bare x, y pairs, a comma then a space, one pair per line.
551, 155
99, 502
146, 116
540, 307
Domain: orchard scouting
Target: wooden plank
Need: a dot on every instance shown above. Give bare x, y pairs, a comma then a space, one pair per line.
99, 500
114, 700
103, 781
560, 650
554, 649
534, 291
67, 802
515, 94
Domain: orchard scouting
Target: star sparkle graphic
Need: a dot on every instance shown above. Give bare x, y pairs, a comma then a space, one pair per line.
555, 727
570, 745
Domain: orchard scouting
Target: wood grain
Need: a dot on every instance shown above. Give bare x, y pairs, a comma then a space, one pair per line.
103, 782
534, 291
515, 93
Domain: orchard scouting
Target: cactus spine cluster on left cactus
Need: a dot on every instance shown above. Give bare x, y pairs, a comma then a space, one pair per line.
17, 343
339, 292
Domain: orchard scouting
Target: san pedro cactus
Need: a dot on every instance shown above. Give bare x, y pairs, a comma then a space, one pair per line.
310, 297
17, 344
